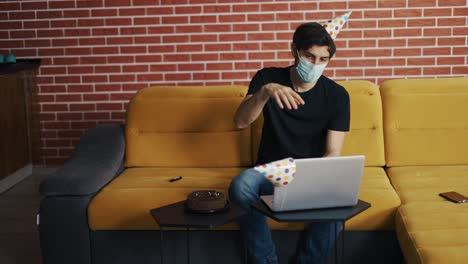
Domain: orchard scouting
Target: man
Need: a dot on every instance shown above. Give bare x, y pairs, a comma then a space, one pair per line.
305, 115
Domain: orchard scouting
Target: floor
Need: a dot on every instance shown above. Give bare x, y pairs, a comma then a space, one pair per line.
19, 241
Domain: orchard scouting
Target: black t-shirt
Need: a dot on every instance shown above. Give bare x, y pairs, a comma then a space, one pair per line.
300, 133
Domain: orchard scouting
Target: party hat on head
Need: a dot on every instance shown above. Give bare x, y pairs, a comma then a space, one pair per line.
334, 26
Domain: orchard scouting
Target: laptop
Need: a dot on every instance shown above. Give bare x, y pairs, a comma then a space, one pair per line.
320, 183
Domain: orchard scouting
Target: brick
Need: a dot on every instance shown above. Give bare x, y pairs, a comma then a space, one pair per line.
79, 88
49, 14
105, 31
290, 16
32, 43
66, 61
452, 3
391, 62
97, 115
121, 78
117, 3
4, 6
109, 106
260, 17
217, 28
233, 37
121, 96
232, 18
407, 12
422, 42
246, 27
161, 29
337, 63
216, 9
332, 5
362, 43
233, 56
187, 9
460, 70
161, 49
132, 11
190, 47
247, 65
189, 29
460, 31
437, 32
245, 8
437, 51
23, 34
65, 42
274, 7
82, 107
391, 23
460, 50
148, 58
362, 23
68, 97
260, 36
351, 53
204, 57
408, 32
95, 97
203, 19
135, 68
437, 12
177, 76
419, 3
163, 67
92, 41
346, 34
62, 4
191, 67
82, 125
407, 52
362, 4
77, 51
26, 53
119, 21
20, 15
421, 22
76, 13
147, 40
82, 32
56, 125
150, 77
378, 14
460, 11
261, 55
107, 69
316, 15
52, 70
175, 39
107, 87
436, 70
94, 78
54, 107
88, 3
203, 38
217, 47
119, 40
90, 22
159, 10
219, 66
451, 22
450, 61
391, 3
451, 41
105, 50
420, 61
157, 20
378, 72
80, 69
206, 76
274, 26
36, 24
93, 60
275, 46
233, 75
134, 31
345, 73
380, 33
103, 12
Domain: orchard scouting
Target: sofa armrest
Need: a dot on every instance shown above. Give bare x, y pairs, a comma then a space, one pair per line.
96, 160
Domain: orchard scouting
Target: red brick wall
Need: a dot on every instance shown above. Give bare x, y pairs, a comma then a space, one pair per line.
96, 54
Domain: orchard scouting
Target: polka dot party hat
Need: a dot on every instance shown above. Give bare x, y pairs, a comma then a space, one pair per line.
280, 172
335, 25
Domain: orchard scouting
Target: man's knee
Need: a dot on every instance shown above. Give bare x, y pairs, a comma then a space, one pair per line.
243, 186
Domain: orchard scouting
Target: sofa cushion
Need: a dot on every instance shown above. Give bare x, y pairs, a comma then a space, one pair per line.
425, 121
186, 127
366, 133
125, 203
431, 229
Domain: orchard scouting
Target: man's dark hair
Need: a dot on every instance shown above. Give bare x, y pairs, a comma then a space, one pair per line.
310, 34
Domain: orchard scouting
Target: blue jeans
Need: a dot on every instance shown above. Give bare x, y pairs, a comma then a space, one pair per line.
316, 240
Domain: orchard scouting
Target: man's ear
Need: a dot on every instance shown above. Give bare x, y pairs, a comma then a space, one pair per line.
294, 52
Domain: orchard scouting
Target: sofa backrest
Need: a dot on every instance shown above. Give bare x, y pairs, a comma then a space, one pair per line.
186, 127
366, 133
425, 121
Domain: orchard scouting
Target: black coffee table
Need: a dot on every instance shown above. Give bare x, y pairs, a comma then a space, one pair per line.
336, 215
175, 215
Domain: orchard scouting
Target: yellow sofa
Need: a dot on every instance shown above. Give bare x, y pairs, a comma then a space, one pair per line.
413, 132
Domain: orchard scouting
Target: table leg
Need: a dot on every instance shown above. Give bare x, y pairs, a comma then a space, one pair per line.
161, 247
343, 244
188, 245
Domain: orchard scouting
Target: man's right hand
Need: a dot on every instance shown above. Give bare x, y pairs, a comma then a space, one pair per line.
283, 95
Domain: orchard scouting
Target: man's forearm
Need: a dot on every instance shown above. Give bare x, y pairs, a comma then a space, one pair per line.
250, 109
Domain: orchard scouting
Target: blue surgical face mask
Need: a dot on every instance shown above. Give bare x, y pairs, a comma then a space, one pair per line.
307, 71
